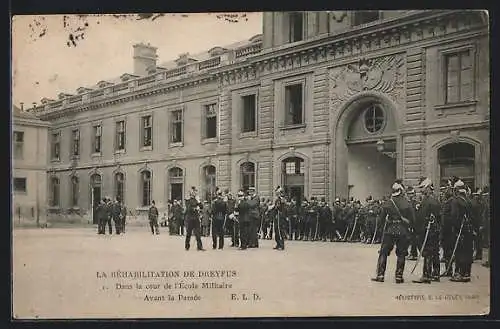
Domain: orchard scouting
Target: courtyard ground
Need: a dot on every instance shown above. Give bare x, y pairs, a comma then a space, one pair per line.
72, 273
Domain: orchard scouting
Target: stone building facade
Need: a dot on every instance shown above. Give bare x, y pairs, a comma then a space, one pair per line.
29, 168
326, 104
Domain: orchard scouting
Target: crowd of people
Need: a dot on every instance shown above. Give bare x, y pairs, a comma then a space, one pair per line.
419, 221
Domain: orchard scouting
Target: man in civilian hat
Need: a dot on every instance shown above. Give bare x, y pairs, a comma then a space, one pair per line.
254, 216
461, 215
400, 218
192, 215
153, 218
279, 222
446, 232
428, 219
243, 210
411, 195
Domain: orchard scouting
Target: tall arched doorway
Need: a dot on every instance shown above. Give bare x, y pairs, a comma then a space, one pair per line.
95, 194
366, 149
293, 177
209, 182
176, 184
457, 159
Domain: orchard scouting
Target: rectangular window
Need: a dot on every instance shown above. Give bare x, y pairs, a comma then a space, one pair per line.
176, 123
54, 195
74, 191
120, 136
365, 16
18, 144
249, 113
210, 121
97, 139
296, 27
56, 146
75, 142
294, 104
458, 77
20, 184
147, 131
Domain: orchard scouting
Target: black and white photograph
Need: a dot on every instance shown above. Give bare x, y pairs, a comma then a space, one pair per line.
250, 164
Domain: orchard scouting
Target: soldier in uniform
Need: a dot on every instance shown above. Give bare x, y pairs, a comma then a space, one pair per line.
477, 214
461, 214
428, 219
123, 216
178, 218
279, 220
293, 213
243, 210
302, 219
153, 218
219, 218
370, 214
116, 212
233, 223
335, 221
100, 212
192, 218
109, 215
349, 216
262, 211
311, 219
400, 217
254, 216
446, 236
411, 195
325, 218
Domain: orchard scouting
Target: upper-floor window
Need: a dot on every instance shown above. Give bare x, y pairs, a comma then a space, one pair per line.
97, 139
147, 131
75, 142
459, 76
120, 136
249, 113
55, 146
296, 27
294, 109
18, 144
365, 16
20, 184
210, 130
176, 124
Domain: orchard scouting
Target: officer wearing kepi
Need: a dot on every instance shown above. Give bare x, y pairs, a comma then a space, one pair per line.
193, 208
242, 209
400, 218
219, 212
254, 216
428, 218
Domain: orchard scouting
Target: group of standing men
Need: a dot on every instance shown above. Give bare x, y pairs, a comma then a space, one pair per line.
109, 211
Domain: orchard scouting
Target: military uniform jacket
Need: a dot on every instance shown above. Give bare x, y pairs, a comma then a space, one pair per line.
101, 211
177, 211
231, 205
219, 209
243, 210
460, 210
191, 209
446, 219
429, 207
477, 213
116, 210
325, 214
292, 211
395, 224
254, 208
123, 212
311, 213
153, 213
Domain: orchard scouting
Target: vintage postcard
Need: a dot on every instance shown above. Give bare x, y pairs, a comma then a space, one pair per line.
260, 164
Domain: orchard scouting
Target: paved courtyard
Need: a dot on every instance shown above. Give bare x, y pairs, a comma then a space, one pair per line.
74, 273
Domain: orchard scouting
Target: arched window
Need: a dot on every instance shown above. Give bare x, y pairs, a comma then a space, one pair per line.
247, 172
176, 182
146, 187
293, 177
209, 181
54, 192
457, 159
95, 193
374, 118
75, 189
120, 186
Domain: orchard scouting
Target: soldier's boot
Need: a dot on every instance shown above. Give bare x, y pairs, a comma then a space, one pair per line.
400, 267
426, 275
448, 270
436, 269
381, 266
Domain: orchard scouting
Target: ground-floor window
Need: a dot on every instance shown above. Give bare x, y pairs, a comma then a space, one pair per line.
457, 159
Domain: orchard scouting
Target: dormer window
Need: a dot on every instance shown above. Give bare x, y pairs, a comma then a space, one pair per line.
103, 84
296, 26
82, 90
216, 51
64, 95
365, 16
151, 69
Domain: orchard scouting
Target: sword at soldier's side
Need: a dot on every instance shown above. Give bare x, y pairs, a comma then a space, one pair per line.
423, 245
375, 232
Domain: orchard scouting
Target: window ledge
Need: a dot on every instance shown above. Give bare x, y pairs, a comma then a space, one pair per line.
248, 134
96, 155
146, 148
55, 160
21, 192
295, 126
122, 151
453, 105
176, 144
209, 141
75, 157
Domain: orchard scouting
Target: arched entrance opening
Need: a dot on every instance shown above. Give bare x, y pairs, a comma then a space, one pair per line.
366, 149
96, 195
176, 184
209, 182
293, 177
457, 159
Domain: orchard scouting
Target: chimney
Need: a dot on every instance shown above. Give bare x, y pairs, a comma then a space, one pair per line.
144, 58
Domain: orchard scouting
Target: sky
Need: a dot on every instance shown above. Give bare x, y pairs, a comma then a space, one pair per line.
45, 62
